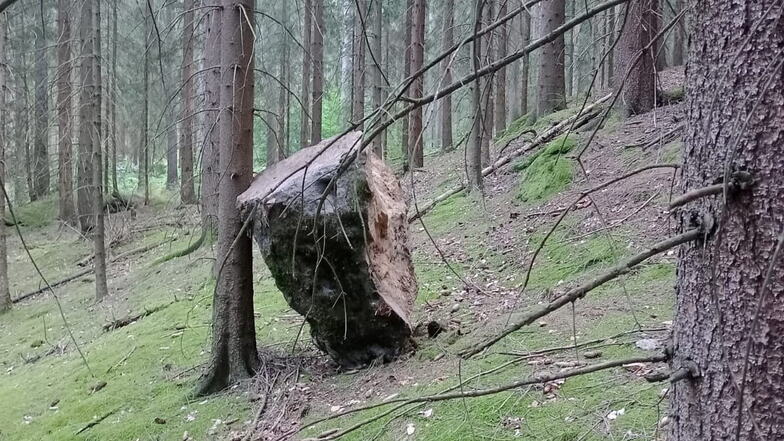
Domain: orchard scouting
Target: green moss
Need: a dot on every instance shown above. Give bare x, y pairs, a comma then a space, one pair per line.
35, 214
547, 172
672, 152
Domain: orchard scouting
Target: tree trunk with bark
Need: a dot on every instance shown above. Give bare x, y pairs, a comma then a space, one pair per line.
210, 174
488, 103
307, 62
84, 192
99, 234
639, 91
317, 51
525, 61
405, 124
67, 210
416, 133
41, 151
234, 354
679, 36
500, 76
5, 294
113, 103
187, 194
475, 178
144, 144
551, 84
730, 290
358, 63
447, 143
375, 61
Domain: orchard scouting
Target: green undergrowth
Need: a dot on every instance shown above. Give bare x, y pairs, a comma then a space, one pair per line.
528, 122
546, 172
150, 367
35, 214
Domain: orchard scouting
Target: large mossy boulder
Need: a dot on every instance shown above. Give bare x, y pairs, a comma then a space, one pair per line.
342, 261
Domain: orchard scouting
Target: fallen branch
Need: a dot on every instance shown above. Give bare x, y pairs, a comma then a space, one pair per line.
96, 421
125, 321
87, 271
580, 291
696, 194
535, 379
587, 114
122, 360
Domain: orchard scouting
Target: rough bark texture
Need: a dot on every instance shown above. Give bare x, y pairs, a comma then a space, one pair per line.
307, 28
355, 284
41, 151
144, 144
551, 84
99, 234
67, 210
210, 165
358, 60
5, 294
375, 61
84, 192
525, 30
639, 91
475, 178
736, 115
500, 76
416, 142
679, 37
187, 194
113, 102
171, 149
407, 33
447, 143
317, 51
234, 353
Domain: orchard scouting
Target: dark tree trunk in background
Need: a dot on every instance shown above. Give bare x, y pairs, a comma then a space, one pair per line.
639, 91
84, 190
358, 66
317, 51
405, 125
41, 150
171, 149
234, 354
416, 134
525, 63
283, 75
67, 210
307, 62
5, 294
187, 194
500, 76
488, 103
144, 147
210, 157
725, 321
474, 154
113, 102
101, 289
447, 143
679, 36
611, 35
551, 84
375, 61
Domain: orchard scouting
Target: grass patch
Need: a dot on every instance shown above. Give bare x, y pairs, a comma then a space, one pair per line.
546, 172
36, 214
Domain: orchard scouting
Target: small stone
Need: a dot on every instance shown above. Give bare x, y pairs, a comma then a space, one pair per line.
159, 420
455, 308
592, 354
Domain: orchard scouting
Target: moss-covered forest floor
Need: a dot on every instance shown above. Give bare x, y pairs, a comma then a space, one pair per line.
141, 376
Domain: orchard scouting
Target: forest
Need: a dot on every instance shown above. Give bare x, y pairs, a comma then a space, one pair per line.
273, 220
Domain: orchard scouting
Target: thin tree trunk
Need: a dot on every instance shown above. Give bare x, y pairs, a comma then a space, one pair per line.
210, 174
358, 60
474, 154
144, 147
375, 60
317, 51
416, 133
113, 101
101, 288
41, 155
171, 149
283, 110
5, 294
405, 126
500, 76
84, 193
307, 28
488, 103
447, 142
730, 290
679, 37
67, 210
187, 194
234, 354
551, 85
612, 34
639, 91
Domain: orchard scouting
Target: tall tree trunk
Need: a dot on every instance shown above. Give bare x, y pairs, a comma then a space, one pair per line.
171, 149
84, 191
101, 289
307, 62
551, 84
679, 37
5, 294
405, 125
447, 143
525, 61
113, 101
210, 174
41, 155
474, 154
416, 133
67, 210
375, 61
488, 106
730, 290
187, 194
609, 63
144, 145
500, 76
358, 63
639, 91
234, 354
317, 51
283, 74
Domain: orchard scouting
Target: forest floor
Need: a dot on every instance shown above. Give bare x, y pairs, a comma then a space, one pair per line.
141, 376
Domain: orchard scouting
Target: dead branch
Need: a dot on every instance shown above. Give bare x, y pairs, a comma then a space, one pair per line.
580, 291
125, 321
696, 194
587, 114
122, 360
96, 421
535, 379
